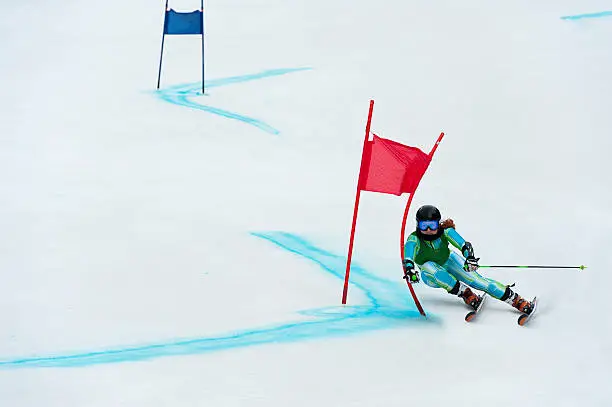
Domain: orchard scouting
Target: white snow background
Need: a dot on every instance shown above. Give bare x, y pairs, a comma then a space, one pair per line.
132, 230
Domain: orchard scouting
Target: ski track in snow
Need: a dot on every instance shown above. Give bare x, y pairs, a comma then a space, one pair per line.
590, 15
388, 305
182, 95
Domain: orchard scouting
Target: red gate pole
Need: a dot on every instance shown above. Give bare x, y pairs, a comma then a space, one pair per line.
402, 233
354, 225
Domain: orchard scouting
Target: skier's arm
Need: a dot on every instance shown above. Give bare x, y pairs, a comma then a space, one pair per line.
459, 242
411, 248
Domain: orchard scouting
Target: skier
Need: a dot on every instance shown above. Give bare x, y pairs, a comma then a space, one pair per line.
440, 267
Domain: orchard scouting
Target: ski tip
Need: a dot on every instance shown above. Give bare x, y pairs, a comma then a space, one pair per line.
522, 319
470, 316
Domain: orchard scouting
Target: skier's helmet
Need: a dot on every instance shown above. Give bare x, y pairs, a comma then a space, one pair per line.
428, 212
428, 217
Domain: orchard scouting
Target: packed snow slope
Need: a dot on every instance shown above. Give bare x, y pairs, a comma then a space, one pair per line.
167, 248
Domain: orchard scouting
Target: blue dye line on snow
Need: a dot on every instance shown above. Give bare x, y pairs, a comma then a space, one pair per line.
183, 95
388, 305
590, 15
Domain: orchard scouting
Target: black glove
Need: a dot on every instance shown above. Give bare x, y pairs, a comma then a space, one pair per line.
410, 273
471, 264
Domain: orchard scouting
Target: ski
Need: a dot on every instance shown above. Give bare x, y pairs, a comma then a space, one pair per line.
472, 314
523, 319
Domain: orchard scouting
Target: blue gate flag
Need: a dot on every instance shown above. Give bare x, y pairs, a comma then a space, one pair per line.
183, 23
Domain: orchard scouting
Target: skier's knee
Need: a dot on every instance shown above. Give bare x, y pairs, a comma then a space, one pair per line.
455, 289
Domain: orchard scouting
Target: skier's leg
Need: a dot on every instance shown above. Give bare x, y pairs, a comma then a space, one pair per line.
435, 276
492, 287
454, 265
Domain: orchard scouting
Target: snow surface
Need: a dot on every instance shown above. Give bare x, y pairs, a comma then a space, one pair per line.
169, 249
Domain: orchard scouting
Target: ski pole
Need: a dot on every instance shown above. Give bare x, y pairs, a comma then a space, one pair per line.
538, 267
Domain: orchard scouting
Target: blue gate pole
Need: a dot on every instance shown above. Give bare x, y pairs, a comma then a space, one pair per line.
202, 9
161, 56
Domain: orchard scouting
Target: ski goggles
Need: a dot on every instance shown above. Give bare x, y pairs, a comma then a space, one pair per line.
428, 224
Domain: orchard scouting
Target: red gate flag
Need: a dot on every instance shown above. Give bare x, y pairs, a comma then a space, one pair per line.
391, 167
388, 167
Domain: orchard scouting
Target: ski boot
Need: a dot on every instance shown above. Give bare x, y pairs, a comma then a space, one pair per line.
522, 304
516, 301
470, 298
463, 291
